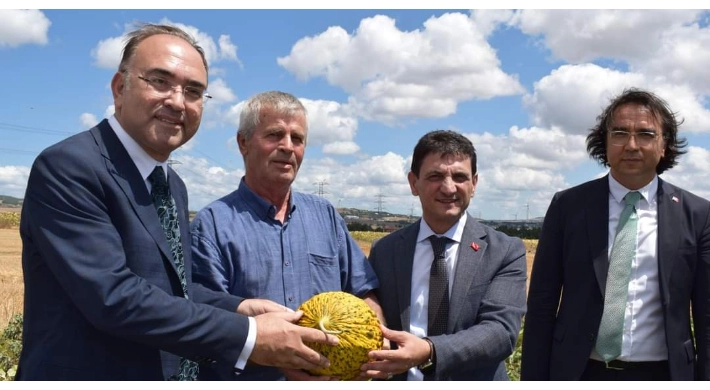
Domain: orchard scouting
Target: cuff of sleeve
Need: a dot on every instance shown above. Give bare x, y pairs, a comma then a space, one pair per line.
248, 347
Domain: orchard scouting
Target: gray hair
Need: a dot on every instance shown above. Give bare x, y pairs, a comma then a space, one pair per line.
282, 102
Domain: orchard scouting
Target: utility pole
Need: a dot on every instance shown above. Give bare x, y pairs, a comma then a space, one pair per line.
380, 200
527, 211
320, 188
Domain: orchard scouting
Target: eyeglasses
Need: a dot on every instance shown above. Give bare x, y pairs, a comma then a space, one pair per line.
621, 137
164, 87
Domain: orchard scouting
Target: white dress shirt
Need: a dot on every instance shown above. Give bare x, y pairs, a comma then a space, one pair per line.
644, 337
423, 258
145, 164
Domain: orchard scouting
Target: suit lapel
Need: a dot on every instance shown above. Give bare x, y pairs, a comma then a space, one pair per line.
669, 211
404, 260
126, 175
597, 216
468, 262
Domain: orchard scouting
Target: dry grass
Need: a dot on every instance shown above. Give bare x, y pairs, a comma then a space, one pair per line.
11, 285
364, 240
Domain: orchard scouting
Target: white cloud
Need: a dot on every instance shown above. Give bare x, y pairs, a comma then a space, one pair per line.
20, 27
692, 172
392, 73
13, 180
110, 110
683, 57
107, 53
221, 93
584, 35
224, 50
205, 182
88, 120
572, 96
329, 123
488, 20
674, 48
356, 184
228, 50
340, 147
231, 117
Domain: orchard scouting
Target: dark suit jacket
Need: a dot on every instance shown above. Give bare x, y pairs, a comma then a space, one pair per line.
486, 304
102, 296
570, 271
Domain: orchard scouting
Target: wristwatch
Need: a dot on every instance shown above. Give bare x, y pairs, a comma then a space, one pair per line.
429, 366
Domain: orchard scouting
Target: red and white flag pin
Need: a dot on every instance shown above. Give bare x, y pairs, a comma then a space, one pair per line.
674, 198
475, 246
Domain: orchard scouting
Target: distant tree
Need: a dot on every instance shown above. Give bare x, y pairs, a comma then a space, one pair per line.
532, 233
359, 227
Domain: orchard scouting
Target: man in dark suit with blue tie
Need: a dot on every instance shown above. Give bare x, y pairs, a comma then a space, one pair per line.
452, 289
106, 246
623, 262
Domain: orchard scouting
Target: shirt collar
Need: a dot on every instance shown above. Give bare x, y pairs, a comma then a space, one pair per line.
259, 204
143, 161
618, 191
454, 233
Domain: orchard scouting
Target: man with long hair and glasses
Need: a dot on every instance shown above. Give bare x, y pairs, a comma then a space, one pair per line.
623, 262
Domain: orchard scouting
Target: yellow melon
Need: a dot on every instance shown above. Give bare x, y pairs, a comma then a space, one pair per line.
352, 321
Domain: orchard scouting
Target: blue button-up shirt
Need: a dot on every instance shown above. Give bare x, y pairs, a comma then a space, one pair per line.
240, 247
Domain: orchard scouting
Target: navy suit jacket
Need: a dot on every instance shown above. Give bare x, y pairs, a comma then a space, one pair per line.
566, 299
486, 305
102, 295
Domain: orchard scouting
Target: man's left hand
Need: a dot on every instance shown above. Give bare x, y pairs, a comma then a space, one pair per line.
254, 307
412, 351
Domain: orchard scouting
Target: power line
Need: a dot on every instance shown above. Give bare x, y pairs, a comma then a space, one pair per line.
18, 151
30, 129
213, 159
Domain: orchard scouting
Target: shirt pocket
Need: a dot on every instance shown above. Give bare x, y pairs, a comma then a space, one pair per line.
325, 273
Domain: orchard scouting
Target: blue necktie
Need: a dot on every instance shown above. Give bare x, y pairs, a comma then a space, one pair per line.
623, 251
167, 212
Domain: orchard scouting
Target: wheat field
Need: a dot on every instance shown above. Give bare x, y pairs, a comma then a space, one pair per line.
365, 239
11, 285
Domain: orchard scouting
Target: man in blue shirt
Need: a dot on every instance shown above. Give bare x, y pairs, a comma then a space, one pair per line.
265, 240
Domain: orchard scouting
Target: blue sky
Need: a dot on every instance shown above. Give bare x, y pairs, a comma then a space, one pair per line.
523, 85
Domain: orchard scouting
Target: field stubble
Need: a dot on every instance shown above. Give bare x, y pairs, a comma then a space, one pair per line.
11, 285
12, 288
365, 239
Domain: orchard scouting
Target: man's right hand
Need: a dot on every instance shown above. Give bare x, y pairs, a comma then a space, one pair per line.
279, 342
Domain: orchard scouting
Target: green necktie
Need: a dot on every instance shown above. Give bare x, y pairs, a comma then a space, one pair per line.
623, 251
167, 212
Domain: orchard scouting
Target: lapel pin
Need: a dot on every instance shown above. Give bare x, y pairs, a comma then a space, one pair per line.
673, 198
475, 246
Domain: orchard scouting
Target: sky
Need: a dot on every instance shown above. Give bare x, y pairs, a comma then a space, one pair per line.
523, 85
